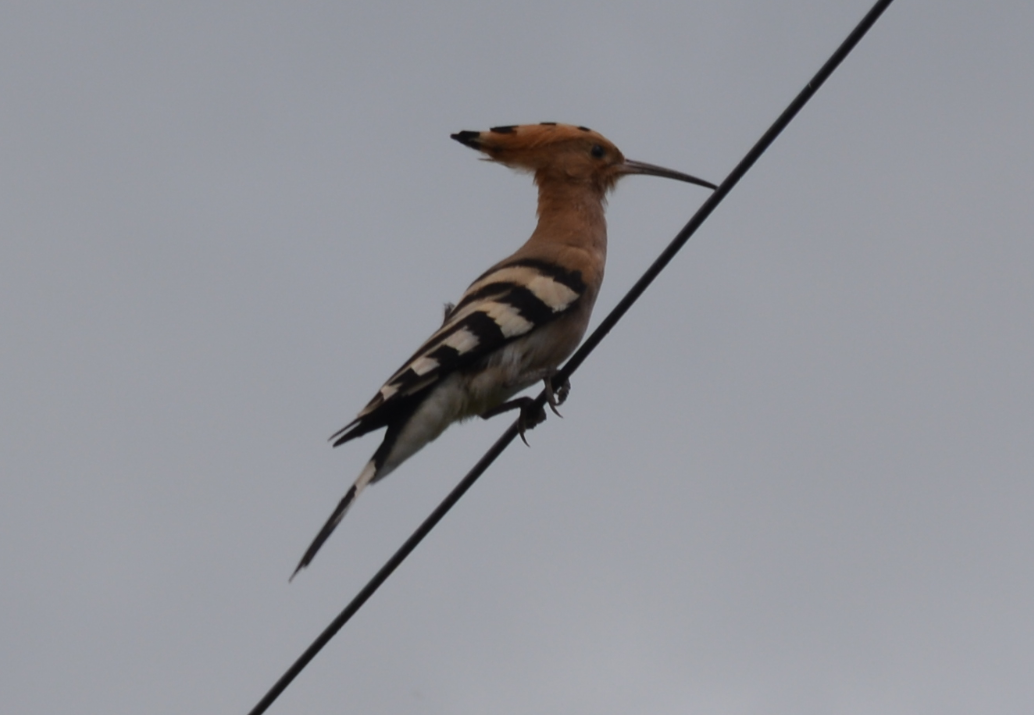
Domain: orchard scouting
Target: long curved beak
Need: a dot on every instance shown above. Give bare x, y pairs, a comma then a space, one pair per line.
641, 167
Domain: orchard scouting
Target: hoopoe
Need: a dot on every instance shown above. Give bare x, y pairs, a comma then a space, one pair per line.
518, 320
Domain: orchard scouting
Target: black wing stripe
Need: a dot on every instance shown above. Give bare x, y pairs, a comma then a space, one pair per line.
424, 367
571, 279
445, 354
483, 293
487, 330
529, 305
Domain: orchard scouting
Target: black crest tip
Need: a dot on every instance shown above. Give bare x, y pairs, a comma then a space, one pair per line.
468, 138
508, 129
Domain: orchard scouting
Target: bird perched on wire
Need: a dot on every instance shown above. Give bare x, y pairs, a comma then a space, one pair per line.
518, 320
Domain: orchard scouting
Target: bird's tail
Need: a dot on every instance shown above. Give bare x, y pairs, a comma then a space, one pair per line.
368, 473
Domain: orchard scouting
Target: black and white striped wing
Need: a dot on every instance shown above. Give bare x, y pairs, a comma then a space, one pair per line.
508, 301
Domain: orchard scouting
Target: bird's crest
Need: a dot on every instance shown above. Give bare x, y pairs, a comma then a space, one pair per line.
562, 152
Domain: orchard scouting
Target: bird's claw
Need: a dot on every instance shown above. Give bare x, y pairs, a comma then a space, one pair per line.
557, 397
532, 415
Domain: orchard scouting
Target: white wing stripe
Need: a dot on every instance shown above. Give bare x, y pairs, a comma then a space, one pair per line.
555, 295
423, 365
507, 318
462, 341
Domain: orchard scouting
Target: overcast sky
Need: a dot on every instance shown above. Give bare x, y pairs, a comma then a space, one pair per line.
798, 478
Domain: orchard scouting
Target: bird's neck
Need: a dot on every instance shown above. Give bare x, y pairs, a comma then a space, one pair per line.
572, 214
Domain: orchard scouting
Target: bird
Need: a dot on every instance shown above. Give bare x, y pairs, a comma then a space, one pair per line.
519, 319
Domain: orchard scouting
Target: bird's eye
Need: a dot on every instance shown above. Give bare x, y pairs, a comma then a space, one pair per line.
597, 151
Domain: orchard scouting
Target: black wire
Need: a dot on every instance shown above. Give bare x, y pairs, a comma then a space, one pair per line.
583, 352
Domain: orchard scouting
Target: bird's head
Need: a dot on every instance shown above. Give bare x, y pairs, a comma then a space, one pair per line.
563, 153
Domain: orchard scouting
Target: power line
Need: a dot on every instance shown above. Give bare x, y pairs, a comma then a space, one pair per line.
583, 352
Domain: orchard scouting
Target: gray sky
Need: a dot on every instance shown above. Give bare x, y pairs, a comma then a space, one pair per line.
796, 479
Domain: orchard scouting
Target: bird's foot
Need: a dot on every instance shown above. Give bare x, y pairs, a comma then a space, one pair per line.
531, 414
557, 397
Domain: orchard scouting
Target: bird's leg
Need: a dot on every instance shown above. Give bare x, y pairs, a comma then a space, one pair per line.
531, 414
